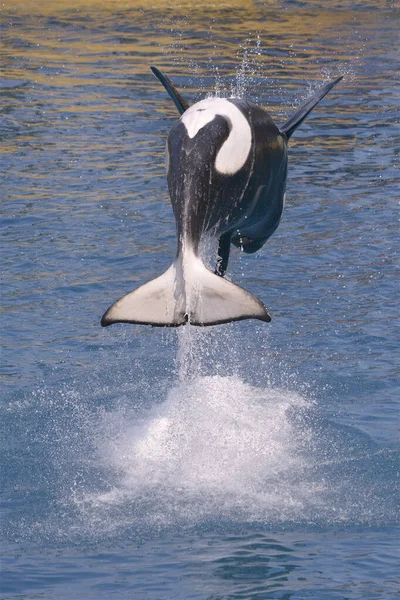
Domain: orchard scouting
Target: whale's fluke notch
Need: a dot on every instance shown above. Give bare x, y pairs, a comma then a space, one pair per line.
175, 96
298, 117
186, 293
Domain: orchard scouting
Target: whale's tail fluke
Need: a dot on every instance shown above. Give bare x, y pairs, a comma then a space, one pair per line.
186, 293
298, 117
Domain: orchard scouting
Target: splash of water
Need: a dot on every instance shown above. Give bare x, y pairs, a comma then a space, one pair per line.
211, 447
216, 447
249, 66
202, 447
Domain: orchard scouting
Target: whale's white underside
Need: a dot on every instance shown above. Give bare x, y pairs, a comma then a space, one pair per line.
235, 150
186, 292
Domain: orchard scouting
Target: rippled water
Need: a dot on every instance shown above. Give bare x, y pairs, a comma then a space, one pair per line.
240, 461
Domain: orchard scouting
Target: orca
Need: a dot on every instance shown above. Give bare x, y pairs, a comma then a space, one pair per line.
226, 164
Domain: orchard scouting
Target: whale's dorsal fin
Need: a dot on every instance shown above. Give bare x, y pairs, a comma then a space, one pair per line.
175, 96
298, 117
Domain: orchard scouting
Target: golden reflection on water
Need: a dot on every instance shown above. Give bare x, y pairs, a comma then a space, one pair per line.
279, 50
73, 33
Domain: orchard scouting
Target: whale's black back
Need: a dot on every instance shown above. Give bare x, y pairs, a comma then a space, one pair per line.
205, 199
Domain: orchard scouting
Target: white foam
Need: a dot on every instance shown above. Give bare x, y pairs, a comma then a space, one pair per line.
216, 446
202, 447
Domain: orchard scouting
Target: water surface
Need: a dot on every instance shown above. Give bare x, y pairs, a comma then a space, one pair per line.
240, 461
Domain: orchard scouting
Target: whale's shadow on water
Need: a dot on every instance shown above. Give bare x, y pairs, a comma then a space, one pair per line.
212, 446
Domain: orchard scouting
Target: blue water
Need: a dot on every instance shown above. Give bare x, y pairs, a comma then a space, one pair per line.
248, 460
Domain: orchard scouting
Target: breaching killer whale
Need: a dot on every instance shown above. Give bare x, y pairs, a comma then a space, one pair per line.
226, 166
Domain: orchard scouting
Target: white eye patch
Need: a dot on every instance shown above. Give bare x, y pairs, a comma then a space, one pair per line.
235, 150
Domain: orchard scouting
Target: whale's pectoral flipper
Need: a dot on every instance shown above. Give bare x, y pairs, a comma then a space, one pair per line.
175, 96
298, 117
186, 293
224, 247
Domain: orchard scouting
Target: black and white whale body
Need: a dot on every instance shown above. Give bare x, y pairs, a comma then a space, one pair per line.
226, 171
